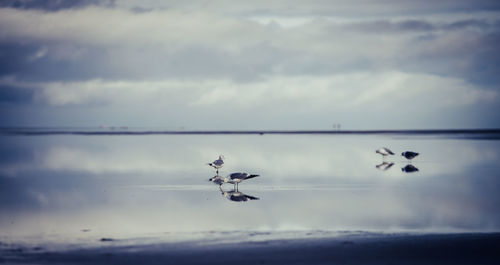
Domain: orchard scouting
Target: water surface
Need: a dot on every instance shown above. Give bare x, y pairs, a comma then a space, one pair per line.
83, 188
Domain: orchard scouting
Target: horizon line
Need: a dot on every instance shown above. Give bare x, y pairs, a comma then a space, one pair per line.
123, 130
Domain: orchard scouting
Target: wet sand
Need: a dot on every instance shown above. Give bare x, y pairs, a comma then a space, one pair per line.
372, 249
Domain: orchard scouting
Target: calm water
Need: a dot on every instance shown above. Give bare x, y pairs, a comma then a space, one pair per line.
73, 188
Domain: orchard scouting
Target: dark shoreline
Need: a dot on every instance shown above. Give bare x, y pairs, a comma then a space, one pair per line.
469, 248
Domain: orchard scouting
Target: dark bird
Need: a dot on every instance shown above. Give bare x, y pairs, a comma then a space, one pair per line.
409, 168
236, 178
384, 152
409, 155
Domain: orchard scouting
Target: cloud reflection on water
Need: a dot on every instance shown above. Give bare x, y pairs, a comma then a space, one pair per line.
127, 185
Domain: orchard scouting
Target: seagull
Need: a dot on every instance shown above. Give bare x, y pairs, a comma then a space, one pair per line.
384, 152
217, 163
409, 168
219, 180
237, 196
385, 166
409, 155
236, 178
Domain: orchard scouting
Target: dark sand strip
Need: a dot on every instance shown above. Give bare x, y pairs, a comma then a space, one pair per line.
378, 249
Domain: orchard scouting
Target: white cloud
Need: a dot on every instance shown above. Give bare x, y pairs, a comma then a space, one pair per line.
355, 90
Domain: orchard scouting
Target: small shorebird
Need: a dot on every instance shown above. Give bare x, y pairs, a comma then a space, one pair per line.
219, 180
385, 165
384, 152
236, 178
217, 163
237, 196
409, 168
409, 155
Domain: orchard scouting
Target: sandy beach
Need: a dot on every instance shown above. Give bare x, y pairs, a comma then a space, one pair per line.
469, 248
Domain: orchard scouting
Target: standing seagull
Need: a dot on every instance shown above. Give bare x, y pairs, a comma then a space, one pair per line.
384, 152
236, 178
217, 163
409, 155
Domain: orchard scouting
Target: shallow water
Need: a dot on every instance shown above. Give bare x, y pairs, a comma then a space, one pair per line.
81, 188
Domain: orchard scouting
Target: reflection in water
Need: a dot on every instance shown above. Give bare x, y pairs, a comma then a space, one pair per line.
409, 168
217, 179
69, 183
237, 196
385, 165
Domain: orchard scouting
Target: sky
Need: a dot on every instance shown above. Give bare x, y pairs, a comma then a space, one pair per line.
239, 65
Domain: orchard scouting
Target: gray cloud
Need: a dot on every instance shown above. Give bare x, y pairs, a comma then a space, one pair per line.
54, 5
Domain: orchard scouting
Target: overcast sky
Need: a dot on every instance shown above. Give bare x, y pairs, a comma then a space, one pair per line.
250, 64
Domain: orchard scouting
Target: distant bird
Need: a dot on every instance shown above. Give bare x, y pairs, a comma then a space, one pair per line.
384, 152
236, 178
237, 196
409, 155
219, 180
217, 163
384, 166
409, 168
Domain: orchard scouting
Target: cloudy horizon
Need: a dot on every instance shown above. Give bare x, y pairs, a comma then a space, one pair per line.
260, 65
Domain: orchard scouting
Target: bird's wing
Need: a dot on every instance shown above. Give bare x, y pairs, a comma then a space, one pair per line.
237, 175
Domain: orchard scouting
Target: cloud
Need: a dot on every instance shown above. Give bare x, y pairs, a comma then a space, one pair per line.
204, 59
53, 5
344, 91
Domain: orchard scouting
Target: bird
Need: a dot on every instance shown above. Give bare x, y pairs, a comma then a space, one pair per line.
217, 163
409, 155
384, 166
237, 196
409, 168
384, 152
217, 179
236, 178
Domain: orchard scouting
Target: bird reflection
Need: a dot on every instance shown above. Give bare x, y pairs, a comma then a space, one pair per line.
409, 168
385, 165
217, 179
236, 195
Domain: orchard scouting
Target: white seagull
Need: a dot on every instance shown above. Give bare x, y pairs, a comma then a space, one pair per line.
236, 178
384, 152
217, 163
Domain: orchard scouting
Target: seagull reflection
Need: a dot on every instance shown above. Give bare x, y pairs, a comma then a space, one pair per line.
237, 196
409, 168
385, 165
217, 179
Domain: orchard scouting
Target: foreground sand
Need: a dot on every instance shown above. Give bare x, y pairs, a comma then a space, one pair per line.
373, 249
